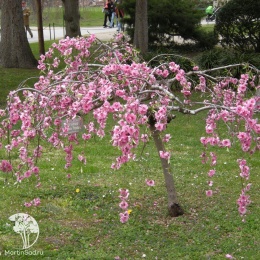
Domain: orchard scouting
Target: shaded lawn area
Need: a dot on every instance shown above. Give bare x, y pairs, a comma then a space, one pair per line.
11, 78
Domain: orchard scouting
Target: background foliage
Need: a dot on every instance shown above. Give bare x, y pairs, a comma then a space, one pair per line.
168, 19
238, 24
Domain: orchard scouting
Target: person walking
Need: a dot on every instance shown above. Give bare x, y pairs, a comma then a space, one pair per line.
113, 13
26, 15
107, 12
119, 16
209, 11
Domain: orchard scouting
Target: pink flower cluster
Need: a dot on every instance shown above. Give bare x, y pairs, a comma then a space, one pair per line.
124, 216
243, 200
244, 169
165, 155
5, 166
35, 202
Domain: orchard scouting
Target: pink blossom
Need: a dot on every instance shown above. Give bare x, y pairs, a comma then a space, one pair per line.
211, 173
36, 202
245, 170
166, 138
204, 140
124, 217
210, 183
5, 166
144, 138
160, 126
165, 73
35, 170
209, 193
243, 201
150, 182
123, 204
82, 158
27, 204
229, 256
204, 158
213, 158
27, 174
209, 129
142, 109
86, 136
165, 155
225, 143
124, 193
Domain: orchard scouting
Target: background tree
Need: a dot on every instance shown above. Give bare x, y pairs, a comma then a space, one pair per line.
166, 19
238, 24
72, 17
15, 51
141, 26
40, 26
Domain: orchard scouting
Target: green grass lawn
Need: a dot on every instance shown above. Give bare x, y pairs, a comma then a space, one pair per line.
89, 16
85, 224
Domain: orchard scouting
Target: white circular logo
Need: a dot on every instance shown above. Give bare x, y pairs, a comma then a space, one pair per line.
27, 228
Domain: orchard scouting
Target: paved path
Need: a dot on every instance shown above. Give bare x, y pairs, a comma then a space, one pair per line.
103, 34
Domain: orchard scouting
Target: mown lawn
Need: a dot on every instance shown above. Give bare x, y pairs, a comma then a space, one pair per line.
89, 16
85, 224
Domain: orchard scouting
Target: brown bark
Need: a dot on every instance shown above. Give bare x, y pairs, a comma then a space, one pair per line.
72, 18
174, 207
40, 27
141, 26
15, 51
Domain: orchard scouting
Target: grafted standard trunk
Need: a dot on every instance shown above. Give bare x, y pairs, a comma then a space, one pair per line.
15, 51
174, 207
72, 18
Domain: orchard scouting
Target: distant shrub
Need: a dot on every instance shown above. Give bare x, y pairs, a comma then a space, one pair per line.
218, 57
238, 24
206, 39
222, 57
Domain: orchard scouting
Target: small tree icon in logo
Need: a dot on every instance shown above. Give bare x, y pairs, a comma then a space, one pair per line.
25, 225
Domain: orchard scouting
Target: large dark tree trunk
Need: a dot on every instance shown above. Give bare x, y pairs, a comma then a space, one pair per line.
15, 51
174, 207
141, 26
72, 17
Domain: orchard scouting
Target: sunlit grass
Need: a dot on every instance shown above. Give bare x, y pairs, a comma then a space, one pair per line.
89, 16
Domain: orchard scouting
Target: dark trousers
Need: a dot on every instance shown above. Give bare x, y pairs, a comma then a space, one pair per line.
107, 15
27, 29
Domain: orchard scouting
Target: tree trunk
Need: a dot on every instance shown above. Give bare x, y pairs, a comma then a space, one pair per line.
15, 51
141, 26
40, 27
72, 18
174, 208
